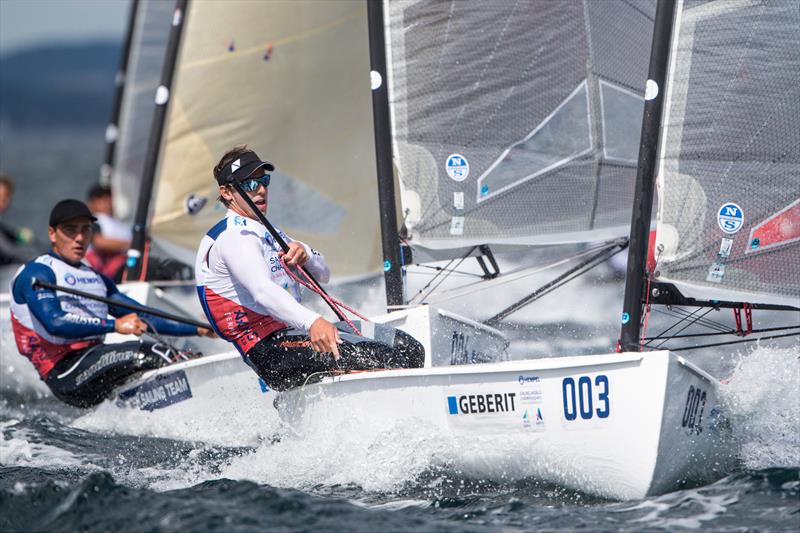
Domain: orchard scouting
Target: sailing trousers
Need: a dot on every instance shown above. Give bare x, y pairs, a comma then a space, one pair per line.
87, 377
286, 359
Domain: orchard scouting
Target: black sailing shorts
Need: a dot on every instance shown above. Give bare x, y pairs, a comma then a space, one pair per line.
286, 359
87, 377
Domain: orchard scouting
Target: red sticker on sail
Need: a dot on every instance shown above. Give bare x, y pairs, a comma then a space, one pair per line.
781, 228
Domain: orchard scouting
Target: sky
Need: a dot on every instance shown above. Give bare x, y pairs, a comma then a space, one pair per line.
26, 23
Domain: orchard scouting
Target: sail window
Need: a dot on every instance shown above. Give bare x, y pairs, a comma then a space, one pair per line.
561, 137
621, 118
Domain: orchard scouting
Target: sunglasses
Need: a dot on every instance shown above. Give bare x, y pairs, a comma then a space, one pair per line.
251, 184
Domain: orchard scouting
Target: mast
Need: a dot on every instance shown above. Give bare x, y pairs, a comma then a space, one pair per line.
134, 270
112, 130
392, 266
645, 175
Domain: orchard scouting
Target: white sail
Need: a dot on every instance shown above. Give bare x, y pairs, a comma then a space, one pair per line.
291, 80
517, 122
729, 175
148, 47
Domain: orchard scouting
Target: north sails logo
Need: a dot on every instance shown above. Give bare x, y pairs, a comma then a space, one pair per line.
235, 165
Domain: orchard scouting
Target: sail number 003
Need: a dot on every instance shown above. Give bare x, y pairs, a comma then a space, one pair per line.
581, 400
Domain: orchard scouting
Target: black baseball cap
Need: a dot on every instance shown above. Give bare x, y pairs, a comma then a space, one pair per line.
69, 209
242, 168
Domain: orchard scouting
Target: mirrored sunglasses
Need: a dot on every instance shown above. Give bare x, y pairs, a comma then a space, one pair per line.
251, 184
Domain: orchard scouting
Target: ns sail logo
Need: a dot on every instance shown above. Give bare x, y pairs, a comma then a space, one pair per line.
730, 218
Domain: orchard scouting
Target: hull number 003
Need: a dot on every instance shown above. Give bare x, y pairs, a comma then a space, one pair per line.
584, 399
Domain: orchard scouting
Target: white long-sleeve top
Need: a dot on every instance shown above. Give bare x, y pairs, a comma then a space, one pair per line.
244, 290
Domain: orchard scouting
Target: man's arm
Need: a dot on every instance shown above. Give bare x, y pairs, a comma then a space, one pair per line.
246, 264
160, 325
44, 305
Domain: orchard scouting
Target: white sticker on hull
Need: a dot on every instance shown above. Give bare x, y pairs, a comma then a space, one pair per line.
532, 402
496, 407
157, 393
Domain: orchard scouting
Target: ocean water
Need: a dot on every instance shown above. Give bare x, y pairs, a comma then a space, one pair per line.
56, 476
66, 469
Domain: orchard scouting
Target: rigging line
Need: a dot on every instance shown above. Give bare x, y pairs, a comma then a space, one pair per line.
439, 269
681, 313
486, 284
410, 300
513, 275
454, 274
738, 341
729, 332
663, 334
680, 318
555, 283
564, 281
443, 272
684, 327
442, 281
707, 322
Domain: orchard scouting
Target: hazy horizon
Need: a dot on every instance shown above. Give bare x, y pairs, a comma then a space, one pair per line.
32, 23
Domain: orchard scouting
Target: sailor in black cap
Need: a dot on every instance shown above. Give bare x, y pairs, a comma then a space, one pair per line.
63, 334
254, 303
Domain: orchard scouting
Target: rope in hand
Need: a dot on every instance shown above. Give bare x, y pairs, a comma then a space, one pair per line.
309, 284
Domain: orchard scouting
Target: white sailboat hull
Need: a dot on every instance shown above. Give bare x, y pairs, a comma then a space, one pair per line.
649, 428
654, 423
216, 399
616, 425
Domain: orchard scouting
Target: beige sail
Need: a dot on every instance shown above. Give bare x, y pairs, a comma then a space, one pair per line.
290, 80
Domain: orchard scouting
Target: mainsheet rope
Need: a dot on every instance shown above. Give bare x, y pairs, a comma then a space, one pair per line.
333, 302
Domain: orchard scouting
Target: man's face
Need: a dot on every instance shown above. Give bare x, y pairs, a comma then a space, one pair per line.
5, 197
71, 238
238, 205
